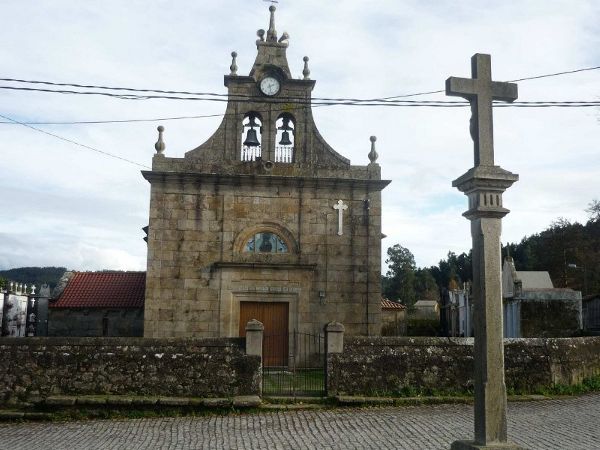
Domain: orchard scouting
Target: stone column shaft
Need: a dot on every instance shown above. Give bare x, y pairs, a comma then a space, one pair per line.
490, 388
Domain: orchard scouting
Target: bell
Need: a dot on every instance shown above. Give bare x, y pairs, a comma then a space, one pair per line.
285, 139
251, 139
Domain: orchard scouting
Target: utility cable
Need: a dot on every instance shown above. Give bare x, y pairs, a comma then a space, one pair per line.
329, 102
71, 141
566, 104
212, 94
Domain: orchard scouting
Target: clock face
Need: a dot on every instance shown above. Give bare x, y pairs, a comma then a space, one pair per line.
269, 86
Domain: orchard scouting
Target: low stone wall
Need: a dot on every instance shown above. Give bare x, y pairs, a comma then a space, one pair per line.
387, 365
31, 368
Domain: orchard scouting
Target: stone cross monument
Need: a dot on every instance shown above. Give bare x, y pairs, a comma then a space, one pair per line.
484, 184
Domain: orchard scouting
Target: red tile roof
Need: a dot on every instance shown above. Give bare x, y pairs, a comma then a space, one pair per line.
388, 304
103, 290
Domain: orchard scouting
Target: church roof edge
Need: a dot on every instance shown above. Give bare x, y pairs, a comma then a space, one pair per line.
253, 179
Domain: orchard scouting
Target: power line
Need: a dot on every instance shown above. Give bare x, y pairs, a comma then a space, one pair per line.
92, 122
171, 93
534, 77
565, 104
76, 143
287, 100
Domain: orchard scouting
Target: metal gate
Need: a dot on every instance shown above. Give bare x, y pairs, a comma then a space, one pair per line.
294, 365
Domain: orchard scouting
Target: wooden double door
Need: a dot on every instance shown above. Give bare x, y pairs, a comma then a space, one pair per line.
274, 317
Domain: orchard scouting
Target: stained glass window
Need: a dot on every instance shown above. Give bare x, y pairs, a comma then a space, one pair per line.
266, 242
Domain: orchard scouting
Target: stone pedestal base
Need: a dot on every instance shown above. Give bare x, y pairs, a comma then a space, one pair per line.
472, 445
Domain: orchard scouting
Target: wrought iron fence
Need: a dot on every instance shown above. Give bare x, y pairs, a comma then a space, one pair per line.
294, 364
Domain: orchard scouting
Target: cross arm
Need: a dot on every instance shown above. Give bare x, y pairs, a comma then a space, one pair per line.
507, 92
461, 87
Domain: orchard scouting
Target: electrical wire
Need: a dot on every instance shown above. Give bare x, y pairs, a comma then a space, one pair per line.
94, 122
566, 104
534, 77
71, 141
226, 96
287, 100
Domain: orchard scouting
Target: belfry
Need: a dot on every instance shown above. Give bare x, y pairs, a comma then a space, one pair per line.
264, 220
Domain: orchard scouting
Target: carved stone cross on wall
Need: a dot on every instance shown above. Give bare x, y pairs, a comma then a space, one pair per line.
480, 91
340, 207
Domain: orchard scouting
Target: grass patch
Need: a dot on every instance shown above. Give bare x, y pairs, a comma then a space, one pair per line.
588, 385
302, 382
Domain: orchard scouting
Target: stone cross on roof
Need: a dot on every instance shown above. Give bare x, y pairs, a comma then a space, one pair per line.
480, 91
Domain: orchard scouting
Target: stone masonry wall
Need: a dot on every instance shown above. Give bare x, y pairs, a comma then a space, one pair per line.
198, 270
378, 366
66, 322
549, 317
39, 367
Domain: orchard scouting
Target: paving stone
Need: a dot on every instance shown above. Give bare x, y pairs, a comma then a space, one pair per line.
144, 401
246, 401
216, 402
61, 400
91, 400
119, 400
173, 401
560, 424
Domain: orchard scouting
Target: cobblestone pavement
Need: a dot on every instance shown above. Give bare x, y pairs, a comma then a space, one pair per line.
569, 424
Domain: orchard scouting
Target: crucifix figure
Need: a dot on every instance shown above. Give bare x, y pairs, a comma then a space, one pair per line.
481, 91
340, 207
484, 184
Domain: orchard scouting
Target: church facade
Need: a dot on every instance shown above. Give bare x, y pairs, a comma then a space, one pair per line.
264, 220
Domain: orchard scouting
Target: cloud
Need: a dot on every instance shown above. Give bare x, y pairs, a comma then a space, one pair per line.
65, 205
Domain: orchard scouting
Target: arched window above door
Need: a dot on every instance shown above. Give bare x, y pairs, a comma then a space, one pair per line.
266, 242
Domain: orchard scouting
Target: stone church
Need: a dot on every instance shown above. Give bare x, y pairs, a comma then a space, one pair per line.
265, 219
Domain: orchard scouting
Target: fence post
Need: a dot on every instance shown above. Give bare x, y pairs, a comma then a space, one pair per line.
254, 346
254, 338
334, 343
335, 337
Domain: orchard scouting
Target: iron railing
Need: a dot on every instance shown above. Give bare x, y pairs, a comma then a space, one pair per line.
294, 365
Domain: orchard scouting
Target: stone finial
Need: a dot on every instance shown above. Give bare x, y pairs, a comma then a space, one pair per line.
261, 35
373, 154
284, 38
233, 67
306, 70
271, 32
33, 289
160, 144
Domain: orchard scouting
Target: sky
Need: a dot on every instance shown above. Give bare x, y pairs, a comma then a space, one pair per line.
65, 205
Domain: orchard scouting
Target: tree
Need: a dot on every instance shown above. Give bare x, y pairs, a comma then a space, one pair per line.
454, 269
593, 210
400, 282
426, 287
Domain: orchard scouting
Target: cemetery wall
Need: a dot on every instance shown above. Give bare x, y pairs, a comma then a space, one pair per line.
74, 322
32, 368
551, 313
395, 365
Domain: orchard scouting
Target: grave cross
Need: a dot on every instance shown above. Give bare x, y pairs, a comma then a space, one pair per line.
480, 91
340, 207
